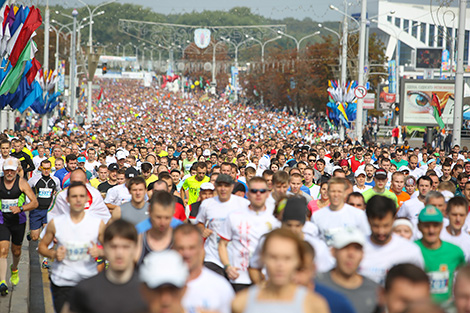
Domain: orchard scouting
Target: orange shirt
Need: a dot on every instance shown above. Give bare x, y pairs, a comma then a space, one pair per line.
402, 198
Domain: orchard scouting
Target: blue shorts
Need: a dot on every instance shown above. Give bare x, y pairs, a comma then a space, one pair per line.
37, 218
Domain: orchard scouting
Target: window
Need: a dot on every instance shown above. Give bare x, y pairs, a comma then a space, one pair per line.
414, 30
440, 36
465, 51
397, 22
449, 38
422, 35
431, 35
389, 18
406, 26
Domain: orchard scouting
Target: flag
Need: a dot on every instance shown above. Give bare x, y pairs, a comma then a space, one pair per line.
32, 22
14, 75
438, 118
100, 97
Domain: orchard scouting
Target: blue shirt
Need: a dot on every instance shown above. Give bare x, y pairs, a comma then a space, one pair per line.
146, 225
337, 302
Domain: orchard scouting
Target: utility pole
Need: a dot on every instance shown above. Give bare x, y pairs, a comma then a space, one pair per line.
458, 94
74, 63
360, 79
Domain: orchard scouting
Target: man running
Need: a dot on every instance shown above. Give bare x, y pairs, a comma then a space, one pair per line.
13, 190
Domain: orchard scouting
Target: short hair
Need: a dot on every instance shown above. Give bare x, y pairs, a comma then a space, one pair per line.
102, 166
379, 207
160, 182
250, 170
70, 157
75, 184
268, 173
46, 161
397, 174
138, 180
121, 171
321, 161
188, 229
163, 198
256, 179
356, 195
446, 185
338, 181
426, 178
146, 167
457, 202
5, 141
296, 175
201, 165
463, 271
121, 229
410, 272
280, 177
433, 195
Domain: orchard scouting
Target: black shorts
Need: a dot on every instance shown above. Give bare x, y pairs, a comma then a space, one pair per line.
15, 232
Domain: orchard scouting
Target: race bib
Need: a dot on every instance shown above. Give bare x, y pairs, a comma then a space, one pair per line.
45, 192
77, 251
7, 204
439, 282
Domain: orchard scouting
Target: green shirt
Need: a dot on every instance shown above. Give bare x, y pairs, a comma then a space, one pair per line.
369, 193
193, 186
399, 164
440, 265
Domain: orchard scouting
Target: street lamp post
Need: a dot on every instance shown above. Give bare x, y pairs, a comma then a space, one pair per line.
73, 61
90, 44
263, 45
342, 56
298, 42
214, 82
46, 60
361, 70
459, 81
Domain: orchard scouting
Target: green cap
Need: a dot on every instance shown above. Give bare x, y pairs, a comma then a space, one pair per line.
430, 214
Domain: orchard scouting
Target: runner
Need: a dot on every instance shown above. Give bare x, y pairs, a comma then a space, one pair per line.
192, 185
13, 190
136, 210
77, 235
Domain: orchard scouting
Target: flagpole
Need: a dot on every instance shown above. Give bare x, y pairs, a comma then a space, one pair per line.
45, 121
74, 64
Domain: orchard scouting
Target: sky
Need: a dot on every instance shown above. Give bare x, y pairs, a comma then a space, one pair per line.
317, 10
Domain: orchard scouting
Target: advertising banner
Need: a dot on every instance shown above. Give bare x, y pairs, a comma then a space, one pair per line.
386, 98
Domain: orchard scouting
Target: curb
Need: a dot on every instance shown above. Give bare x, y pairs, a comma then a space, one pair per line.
20, 294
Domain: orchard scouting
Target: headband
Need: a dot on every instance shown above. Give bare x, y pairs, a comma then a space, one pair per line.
402, 221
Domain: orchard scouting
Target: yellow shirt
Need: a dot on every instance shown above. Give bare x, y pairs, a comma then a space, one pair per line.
163, 153
52, 159
95, 182
152, 178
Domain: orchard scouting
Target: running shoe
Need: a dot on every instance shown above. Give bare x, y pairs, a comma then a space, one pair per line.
3, 288
15, 278
28, 236
45, 263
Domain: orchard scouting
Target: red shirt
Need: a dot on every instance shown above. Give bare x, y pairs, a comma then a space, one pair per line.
355, 163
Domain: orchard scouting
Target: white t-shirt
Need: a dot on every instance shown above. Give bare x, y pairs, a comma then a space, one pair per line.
209, 291
356, 189
117, 195
378, 260
270, 203
462, 241
417, 173
244, 228
330, 222
90, 166
315, 192
37, 161
212, 214
411, 209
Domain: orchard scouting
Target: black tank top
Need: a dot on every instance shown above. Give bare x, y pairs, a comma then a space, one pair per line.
146, 248
44, 190
14, 193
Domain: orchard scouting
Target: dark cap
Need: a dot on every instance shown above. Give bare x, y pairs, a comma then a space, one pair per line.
224, 151
381, 174
295, 210
238, 187
179, 144
224, 179
113, 167
131, 172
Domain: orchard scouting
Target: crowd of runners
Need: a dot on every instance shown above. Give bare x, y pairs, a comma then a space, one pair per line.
171, 204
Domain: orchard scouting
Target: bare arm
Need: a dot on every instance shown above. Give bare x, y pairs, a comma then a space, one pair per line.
43, 247
115, 215
24, 186
232, 272
255, 275
206, 232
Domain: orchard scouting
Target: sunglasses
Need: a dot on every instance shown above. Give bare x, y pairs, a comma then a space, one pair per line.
311, 160
258, 190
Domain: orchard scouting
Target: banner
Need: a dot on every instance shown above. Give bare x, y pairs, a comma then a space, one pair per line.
392, 76
386, 98
369, 102
61, 82
422, 99
202, 38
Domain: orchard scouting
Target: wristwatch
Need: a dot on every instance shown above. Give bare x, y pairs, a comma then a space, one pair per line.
21, 208
226, 266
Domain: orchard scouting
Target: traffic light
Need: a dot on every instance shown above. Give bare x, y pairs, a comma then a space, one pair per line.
105, 68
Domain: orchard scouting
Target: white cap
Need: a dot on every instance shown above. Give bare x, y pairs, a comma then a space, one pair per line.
10, 164
359, 172
166, 267
404, 168
207, 186
206, 153
346, 236
120, 155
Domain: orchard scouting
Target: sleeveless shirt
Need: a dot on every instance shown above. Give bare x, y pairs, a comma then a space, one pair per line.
253, 305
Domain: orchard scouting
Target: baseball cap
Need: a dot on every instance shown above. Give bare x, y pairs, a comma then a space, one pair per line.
380, 173
120, 155
343, 162
224, 179
162, 268
238, 187
206, 153
10, 164
404, 168
224, 150
359, 172
207, 186
131, 172
430, 214
347, 236
113, 167
179, 144
295, 209
81, 159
